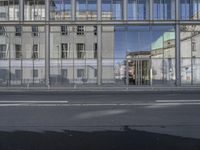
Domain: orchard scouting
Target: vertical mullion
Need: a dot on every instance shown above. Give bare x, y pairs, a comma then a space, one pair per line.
177, 49
99, 10
125, 9
21, 10
8, 15
73, 10
47, 45
151, 8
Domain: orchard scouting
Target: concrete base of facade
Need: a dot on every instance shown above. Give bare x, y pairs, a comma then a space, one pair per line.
100, 89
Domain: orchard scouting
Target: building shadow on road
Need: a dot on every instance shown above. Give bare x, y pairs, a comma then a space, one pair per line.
126, 139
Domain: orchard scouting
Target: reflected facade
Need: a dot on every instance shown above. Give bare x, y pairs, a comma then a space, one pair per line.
119, 43
60, 10
138, 9
9, 10
112, 9
190, 9
190, 54
86, 9
34, 10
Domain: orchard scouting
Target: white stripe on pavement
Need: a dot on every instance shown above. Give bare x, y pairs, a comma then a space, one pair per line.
60, 104
176, 101
33, 102
74, 105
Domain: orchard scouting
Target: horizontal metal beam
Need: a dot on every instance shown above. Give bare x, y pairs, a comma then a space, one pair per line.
100, 23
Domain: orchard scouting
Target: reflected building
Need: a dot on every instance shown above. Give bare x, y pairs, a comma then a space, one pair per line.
49, 43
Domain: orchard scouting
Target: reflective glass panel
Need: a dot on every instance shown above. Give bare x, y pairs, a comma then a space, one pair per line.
190, 9
9, 10
34, 10
190, 54
138, 9
60, 9
112, 9
86, 9
164, 9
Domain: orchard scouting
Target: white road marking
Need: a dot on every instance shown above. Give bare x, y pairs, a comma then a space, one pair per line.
55, 104
68, 105
175, 101
168, 103
33, 102
160, 105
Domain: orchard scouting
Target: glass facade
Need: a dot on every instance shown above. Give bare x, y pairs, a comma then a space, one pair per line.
21, 55
136, 63
138, 10
60, 10
113, 43
34, 10
190, 9
72, 56
86, 9
112, 9
164, 9
9, 10
190, 54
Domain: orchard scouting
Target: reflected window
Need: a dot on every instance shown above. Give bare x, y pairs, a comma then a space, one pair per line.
35, 31
60, 9
138, 9
190, 47
35, 51
34, 10
18, 30
95, 50
64, 30
14, 10
4, 10
35, 73
2, 31
112, 9
164, 9
2, 51
80, 47
95, 30
80, 30
117, 9
190, 9
193, 45
9, 10
3, 15
86, 9
18, 51
95, 72
64, 49
64, 73
18, 74
80, 73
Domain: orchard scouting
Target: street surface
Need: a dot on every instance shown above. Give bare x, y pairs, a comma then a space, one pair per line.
143, 120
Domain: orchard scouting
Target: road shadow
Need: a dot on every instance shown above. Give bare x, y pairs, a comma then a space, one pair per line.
126, 139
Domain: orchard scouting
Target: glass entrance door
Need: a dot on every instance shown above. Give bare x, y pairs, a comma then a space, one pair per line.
139, 71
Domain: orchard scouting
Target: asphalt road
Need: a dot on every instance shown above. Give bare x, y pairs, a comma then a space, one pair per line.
157, 119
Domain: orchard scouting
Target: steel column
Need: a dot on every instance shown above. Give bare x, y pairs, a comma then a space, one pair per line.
47, 45
73, 9
125, 9
21, 9
98, 9
177, 50
151, 9
99, 45
99, 54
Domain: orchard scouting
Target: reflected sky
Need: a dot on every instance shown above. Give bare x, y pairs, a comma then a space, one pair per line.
138, 38
137, 9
